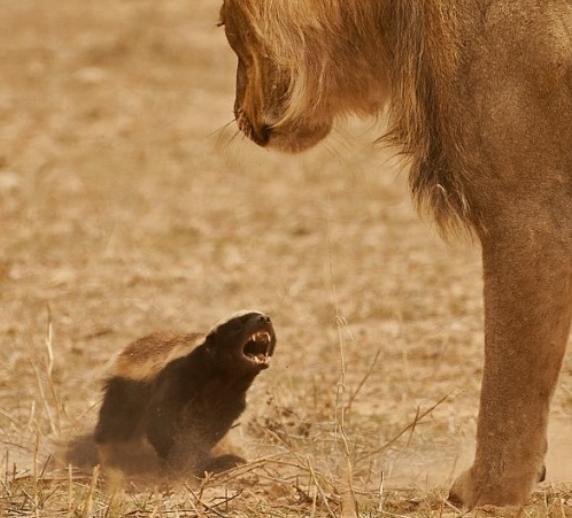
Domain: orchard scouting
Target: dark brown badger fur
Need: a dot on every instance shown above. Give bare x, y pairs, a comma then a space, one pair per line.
182, 394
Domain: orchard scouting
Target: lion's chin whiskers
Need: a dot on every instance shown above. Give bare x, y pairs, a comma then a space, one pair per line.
341, 140
225, 134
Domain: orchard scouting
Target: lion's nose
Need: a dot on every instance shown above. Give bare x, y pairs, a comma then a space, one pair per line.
263, 134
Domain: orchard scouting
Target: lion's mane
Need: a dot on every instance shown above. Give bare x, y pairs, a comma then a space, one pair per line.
420, 52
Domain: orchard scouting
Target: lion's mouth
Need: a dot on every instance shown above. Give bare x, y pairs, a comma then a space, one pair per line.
258, 348
259, 135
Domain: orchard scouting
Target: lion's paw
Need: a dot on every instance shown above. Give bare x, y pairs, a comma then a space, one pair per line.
470, 491
462, 493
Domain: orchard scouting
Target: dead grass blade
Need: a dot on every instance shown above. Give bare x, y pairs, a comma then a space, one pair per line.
319, 488
362, 382
418, 418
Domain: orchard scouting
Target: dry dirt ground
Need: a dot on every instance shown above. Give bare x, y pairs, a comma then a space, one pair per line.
127, 206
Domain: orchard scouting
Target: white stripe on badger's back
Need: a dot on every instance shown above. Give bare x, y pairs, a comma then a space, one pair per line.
144, 358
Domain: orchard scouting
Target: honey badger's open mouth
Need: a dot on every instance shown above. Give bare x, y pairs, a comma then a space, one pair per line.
259, 347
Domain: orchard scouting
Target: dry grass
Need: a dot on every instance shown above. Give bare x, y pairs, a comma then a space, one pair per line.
124, 210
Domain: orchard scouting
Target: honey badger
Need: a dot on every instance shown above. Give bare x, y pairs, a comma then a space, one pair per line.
183, 393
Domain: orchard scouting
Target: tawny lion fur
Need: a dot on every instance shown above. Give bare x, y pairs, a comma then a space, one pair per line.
478, 94
292, 27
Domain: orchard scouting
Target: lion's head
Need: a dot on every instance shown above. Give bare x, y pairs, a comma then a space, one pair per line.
292, 78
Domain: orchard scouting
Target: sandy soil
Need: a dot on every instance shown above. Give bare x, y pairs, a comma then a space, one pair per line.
128, 206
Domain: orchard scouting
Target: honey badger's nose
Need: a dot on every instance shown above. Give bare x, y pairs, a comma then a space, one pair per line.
263, 319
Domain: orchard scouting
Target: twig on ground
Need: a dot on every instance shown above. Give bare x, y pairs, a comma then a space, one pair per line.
380, 492
49, 341
45, 401
412, 424
363, 381
198, 500
88, 506
412, 430
227, 499
319, 488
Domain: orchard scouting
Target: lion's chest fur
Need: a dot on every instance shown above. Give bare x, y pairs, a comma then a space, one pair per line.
512, 100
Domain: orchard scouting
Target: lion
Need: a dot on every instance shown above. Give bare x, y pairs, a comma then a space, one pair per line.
478, 95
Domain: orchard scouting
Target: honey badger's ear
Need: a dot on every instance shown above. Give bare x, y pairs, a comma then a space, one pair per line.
211, 339
209, 349
212, 334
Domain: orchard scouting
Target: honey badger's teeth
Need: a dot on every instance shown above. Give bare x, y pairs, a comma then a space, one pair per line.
259, 358
258, 348
261, 336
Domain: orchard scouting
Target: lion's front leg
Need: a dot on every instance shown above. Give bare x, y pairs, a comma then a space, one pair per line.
527, 275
